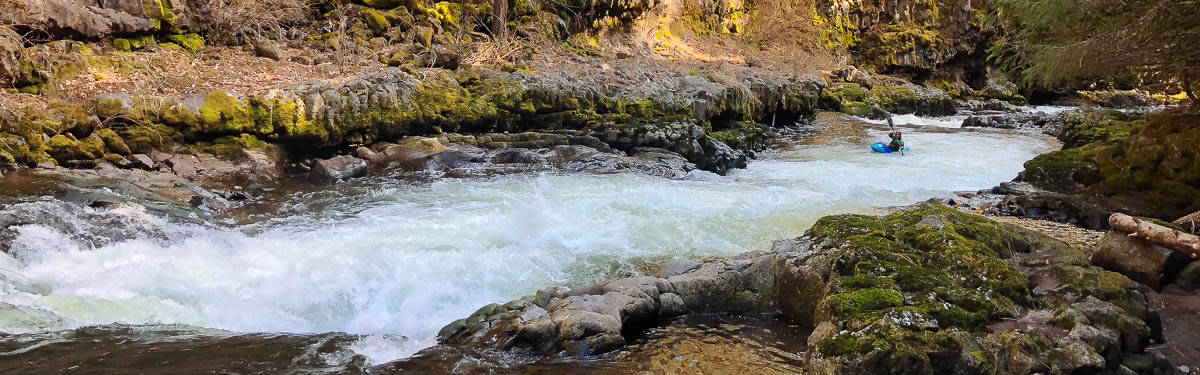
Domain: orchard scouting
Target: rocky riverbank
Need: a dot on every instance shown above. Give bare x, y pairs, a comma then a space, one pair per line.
925, 290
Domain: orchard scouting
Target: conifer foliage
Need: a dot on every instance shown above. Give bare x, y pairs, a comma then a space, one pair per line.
1153, 44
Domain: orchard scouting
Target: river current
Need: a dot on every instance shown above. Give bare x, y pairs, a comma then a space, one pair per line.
392, 260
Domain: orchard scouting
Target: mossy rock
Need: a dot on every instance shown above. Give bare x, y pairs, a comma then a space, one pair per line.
113, 142
916, 292
73, 118
1146, 167
225, 114
162, 13
144, 138
192, 42
122, 45
64, 148
742, 135
232, 147
376, 21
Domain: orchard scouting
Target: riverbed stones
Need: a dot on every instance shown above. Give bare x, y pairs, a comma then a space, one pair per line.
338, 168
1138, 259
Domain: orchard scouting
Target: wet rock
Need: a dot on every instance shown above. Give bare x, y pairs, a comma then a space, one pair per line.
1189, 277
338, 168
142, 161
1050, 124
741, 284
516, 156
1138, 259
268, 50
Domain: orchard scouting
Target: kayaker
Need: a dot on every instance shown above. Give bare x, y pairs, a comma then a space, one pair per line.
897, 141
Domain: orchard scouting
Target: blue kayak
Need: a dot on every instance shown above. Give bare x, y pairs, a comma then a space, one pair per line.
884, 149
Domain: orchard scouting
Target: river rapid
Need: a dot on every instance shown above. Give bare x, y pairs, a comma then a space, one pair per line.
390, 260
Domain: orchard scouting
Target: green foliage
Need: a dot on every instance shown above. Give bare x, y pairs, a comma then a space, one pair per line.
1150, 43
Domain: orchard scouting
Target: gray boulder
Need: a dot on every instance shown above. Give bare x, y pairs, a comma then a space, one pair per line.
338, 168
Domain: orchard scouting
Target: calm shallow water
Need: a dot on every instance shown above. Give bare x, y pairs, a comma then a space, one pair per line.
395, 260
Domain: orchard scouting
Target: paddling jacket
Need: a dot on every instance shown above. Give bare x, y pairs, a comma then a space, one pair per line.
897, 143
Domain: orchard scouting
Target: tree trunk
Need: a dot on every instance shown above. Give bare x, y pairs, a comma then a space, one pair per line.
499, 18
1190, 223
1157, 234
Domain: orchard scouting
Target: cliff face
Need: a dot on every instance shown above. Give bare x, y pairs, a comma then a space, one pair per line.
919, 38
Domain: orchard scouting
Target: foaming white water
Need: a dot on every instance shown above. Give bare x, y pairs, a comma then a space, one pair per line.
916, 120
956, 121
398, 260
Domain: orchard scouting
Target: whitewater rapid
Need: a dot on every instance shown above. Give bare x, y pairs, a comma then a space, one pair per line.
397, 260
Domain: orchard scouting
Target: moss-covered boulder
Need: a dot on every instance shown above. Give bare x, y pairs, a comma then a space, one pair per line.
65, 147
193, 43
933, 290
1145, 167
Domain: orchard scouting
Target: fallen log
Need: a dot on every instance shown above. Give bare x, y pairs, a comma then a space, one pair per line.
1185, 243
1190, 223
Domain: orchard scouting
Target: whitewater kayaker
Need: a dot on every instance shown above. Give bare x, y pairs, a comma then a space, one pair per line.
897, 141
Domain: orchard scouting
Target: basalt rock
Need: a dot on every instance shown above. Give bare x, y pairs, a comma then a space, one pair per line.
338, 168
1050, 124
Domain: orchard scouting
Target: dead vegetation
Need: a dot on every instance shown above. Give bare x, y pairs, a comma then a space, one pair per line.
235, 22
495, 52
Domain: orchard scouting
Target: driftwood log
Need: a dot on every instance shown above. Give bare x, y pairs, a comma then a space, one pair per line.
1190, 223
1185, 243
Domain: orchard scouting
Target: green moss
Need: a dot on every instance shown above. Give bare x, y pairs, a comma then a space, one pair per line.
121, 45
446, 13
189, 42
113, 142
848, 305
376, 21
926, 262
224, 114
148, 137
107, 107
232, 147
162, 13
114, 159
897, 43
742, 135
63, 148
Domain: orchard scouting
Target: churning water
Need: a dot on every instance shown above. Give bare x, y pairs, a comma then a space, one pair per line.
397, 260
